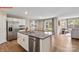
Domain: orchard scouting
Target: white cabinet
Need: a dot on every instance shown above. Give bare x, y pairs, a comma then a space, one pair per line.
34, 44
75, 33
23, 40
45, 45
16, 21
22, 21
2, 28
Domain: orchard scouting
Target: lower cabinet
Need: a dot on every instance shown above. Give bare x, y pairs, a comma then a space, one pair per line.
23, 40
45, 45
33, 44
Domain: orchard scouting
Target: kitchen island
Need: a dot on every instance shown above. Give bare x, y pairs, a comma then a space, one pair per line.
34, 41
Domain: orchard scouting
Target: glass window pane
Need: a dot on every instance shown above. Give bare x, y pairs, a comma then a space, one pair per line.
73, 23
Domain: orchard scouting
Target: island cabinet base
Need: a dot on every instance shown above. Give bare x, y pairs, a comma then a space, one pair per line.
45, 45
34, 44
39, 45
23, 41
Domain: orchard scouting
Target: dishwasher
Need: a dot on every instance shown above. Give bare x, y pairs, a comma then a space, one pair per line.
34, 44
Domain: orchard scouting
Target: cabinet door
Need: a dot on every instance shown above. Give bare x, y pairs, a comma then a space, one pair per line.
25, 42
19, 38
45, 45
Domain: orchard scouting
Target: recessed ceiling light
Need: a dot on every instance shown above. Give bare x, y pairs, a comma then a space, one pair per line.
26, 12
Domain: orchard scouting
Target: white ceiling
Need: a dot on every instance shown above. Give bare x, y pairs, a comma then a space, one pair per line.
43, 12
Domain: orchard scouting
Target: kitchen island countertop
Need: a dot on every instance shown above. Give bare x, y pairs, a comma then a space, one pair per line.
37, 34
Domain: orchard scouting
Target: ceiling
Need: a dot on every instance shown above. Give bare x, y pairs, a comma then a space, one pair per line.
44, 12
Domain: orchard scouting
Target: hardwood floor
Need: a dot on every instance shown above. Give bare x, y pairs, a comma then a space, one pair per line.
75, 45
60, 45
65, 44
11, 46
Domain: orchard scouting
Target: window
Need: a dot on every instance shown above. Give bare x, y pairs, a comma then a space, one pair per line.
73, 23
49, 25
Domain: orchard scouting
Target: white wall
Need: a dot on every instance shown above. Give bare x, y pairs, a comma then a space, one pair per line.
2, 28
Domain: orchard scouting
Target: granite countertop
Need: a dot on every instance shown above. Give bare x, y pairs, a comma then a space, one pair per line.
37, 34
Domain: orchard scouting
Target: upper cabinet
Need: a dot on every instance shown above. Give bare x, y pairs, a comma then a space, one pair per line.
18, 23
22, 21
17, 20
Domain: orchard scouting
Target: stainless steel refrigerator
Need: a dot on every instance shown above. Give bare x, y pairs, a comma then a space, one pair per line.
12, 29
